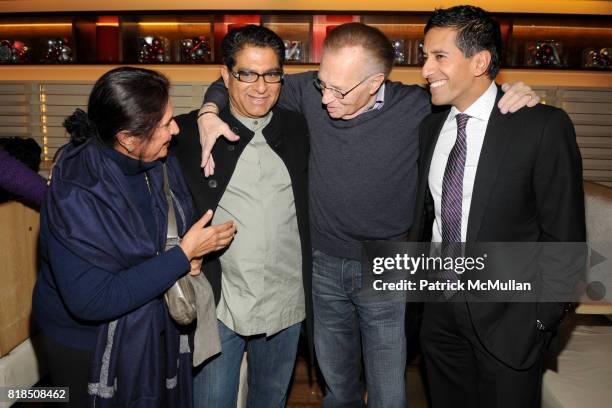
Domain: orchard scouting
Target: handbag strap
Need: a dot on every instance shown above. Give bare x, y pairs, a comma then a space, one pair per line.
172, 236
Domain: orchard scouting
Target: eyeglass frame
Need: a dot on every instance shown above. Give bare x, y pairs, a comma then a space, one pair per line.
338, 94
238, 73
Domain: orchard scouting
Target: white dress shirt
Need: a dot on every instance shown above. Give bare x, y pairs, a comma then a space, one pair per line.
479, 113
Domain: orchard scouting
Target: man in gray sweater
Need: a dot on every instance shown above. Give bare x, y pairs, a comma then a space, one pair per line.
363, 174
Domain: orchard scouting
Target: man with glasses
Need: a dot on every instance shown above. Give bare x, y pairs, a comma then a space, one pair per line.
262, 281
363, 174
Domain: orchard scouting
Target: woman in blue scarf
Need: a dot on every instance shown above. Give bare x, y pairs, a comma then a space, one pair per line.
103, 265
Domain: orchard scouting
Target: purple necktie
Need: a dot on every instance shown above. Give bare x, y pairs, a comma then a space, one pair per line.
452, 185
452, 197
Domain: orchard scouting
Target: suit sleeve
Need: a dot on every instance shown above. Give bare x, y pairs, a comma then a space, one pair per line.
559, 194
558, 182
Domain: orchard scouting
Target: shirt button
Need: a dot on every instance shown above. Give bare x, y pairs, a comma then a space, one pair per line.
231, 148
235, 130
212, 183
255, 123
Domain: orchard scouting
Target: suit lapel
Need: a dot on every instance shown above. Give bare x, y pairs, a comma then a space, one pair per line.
430, 146
495, 144
428, 140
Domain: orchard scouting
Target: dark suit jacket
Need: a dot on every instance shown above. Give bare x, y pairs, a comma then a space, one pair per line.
287, 135
528, 188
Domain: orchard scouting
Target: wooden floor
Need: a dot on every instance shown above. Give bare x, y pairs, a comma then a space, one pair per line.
304, 394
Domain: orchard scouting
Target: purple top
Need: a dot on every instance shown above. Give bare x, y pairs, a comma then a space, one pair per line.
20, 180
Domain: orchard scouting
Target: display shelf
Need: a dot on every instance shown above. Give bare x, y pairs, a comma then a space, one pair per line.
225, 22
296, 32
321, 25
541, 41
32, 39
167, 38
405, 34
570, 39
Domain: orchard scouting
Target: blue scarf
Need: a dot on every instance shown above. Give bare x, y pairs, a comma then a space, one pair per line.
90, 211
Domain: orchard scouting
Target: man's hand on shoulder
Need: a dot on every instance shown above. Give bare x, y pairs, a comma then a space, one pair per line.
517, 96
210, 127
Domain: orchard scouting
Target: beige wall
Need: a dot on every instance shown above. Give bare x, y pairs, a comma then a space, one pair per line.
208, 73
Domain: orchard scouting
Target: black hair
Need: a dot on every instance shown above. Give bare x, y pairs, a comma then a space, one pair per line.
476, 31
124, 99
251, 35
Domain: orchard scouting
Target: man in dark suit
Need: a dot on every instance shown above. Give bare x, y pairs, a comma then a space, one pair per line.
488, 177
262, 281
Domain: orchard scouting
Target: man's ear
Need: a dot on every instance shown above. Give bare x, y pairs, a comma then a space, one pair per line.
225, 75
376, 82
480, 63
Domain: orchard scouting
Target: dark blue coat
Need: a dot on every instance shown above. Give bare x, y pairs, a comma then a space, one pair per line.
101, 278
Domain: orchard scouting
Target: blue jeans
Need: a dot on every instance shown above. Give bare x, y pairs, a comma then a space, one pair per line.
270, 367
344, 320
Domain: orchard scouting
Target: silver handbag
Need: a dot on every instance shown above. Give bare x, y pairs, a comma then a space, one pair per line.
180, 297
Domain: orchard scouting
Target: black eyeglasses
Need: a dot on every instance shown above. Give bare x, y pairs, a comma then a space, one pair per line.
272, 77
338, 94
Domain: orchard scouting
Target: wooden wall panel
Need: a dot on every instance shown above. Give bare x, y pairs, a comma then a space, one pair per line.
38, 108
14, 110
591, 113
18, 269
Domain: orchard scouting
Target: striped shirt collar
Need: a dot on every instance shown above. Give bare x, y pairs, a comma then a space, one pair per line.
380, 99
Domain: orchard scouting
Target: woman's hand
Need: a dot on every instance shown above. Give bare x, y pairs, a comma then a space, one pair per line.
201, 240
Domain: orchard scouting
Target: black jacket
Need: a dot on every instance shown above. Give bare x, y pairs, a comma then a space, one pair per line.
528, 188
287, 135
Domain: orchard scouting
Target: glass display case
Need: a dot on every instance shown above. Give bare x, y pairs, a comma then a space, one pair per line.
37, 40
560, 42
167, 38
531, 41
